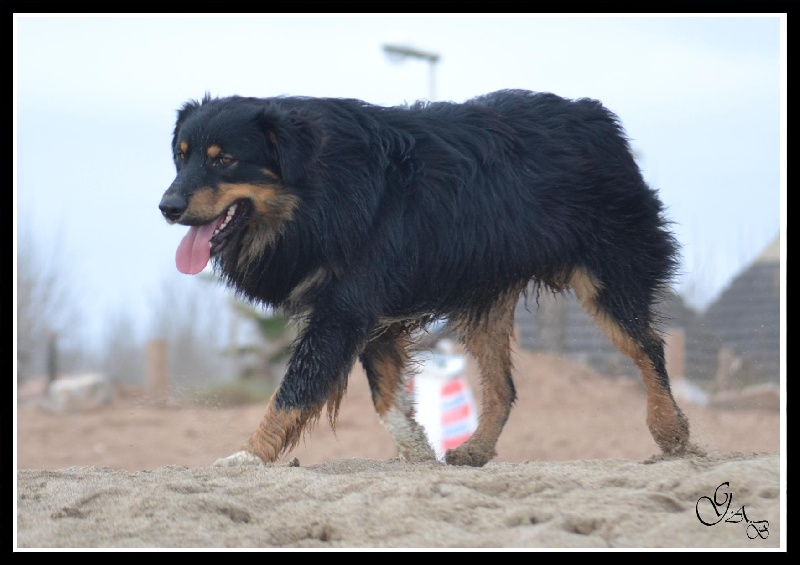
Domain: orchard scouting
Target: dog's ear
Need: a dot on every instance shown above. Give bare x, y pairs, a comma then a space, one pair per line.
185, 111
295, 140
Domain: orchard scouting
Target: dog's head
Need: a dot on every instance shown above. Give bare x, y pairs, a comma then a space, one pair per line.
238, 163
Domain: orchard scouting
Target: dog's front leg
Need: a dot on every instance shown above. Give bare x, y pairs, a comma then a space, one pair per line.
316, 375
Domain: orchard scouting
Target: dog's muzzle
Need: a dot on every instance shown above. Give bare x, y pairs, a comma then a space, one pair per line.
173, 206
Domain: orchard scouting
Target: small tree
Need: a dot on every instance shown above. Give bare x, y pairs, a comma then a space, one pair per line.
191, 317
123, 351
269, 344
46, 326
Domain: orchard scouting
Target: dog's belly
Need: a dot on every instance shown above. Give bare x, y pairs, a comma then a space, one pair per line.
410, 322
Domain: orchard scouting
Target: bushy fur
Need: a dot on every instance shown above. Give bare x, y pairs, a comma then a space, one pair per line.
369, 222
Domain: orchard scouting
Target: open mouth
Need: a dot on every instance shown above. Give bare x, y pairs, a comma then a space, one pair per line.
234, 217
202, 242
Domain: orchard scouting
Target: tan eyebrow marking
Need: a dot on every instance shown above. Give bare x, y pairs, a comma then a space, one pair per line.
213, 151
184, 147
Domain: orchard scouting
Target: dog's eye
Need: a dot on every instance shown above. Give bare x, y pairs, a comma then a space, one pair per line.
223, 161
180, 156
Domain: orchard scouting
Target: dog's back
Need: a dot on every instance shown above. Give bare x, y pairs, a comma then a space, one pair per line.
512, 187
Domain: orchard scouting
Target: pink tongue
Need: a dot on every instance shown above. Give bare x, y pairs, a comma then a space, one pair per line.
193, 251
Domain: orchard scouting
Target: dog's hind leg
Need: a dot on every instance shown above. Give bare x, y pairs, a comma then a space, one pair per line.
488, 340
385, 359
626, 316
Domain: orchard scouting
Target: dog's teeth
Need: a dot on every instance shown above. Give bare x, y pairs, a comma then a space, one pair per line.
226, 221
228, 216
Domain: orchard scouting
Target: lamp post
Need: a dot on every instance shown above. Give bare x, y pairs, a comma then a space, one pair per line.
401, 52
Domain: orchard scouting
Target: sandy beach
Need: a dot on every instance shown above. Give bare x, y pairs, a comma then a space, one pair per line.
574, 470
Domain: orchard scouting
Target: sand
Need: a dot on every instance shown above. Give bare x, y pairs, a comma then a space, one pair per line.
574, 470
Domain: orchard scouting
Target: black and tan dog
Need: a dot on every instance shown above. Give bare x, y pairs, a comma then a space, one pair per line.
370, 222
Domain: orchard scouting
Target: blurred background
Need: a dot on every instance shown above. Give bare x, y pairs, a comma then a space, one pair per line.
97, 294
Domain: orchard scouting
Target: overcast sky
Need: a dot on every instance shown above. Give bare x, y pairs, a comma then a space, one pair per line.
95, 99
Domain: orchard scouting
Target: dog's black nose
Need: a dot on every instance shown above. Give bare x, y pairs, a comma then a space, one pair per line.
173, 206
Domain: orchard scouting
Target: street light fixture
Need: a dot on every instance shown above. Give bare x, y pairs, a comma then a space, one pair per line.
401, 52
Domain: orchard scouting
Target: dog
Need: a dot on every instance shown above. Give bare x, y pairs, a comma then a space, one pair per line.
368, 223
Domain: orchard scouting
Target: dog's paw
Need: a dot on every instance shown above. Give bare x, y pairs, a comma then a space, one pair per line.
468, 456
419, 453
684, 451
238, 459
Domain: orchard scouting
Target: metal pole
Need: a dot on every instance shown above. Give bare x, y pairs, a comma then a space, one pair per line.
432, 80
402, 52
